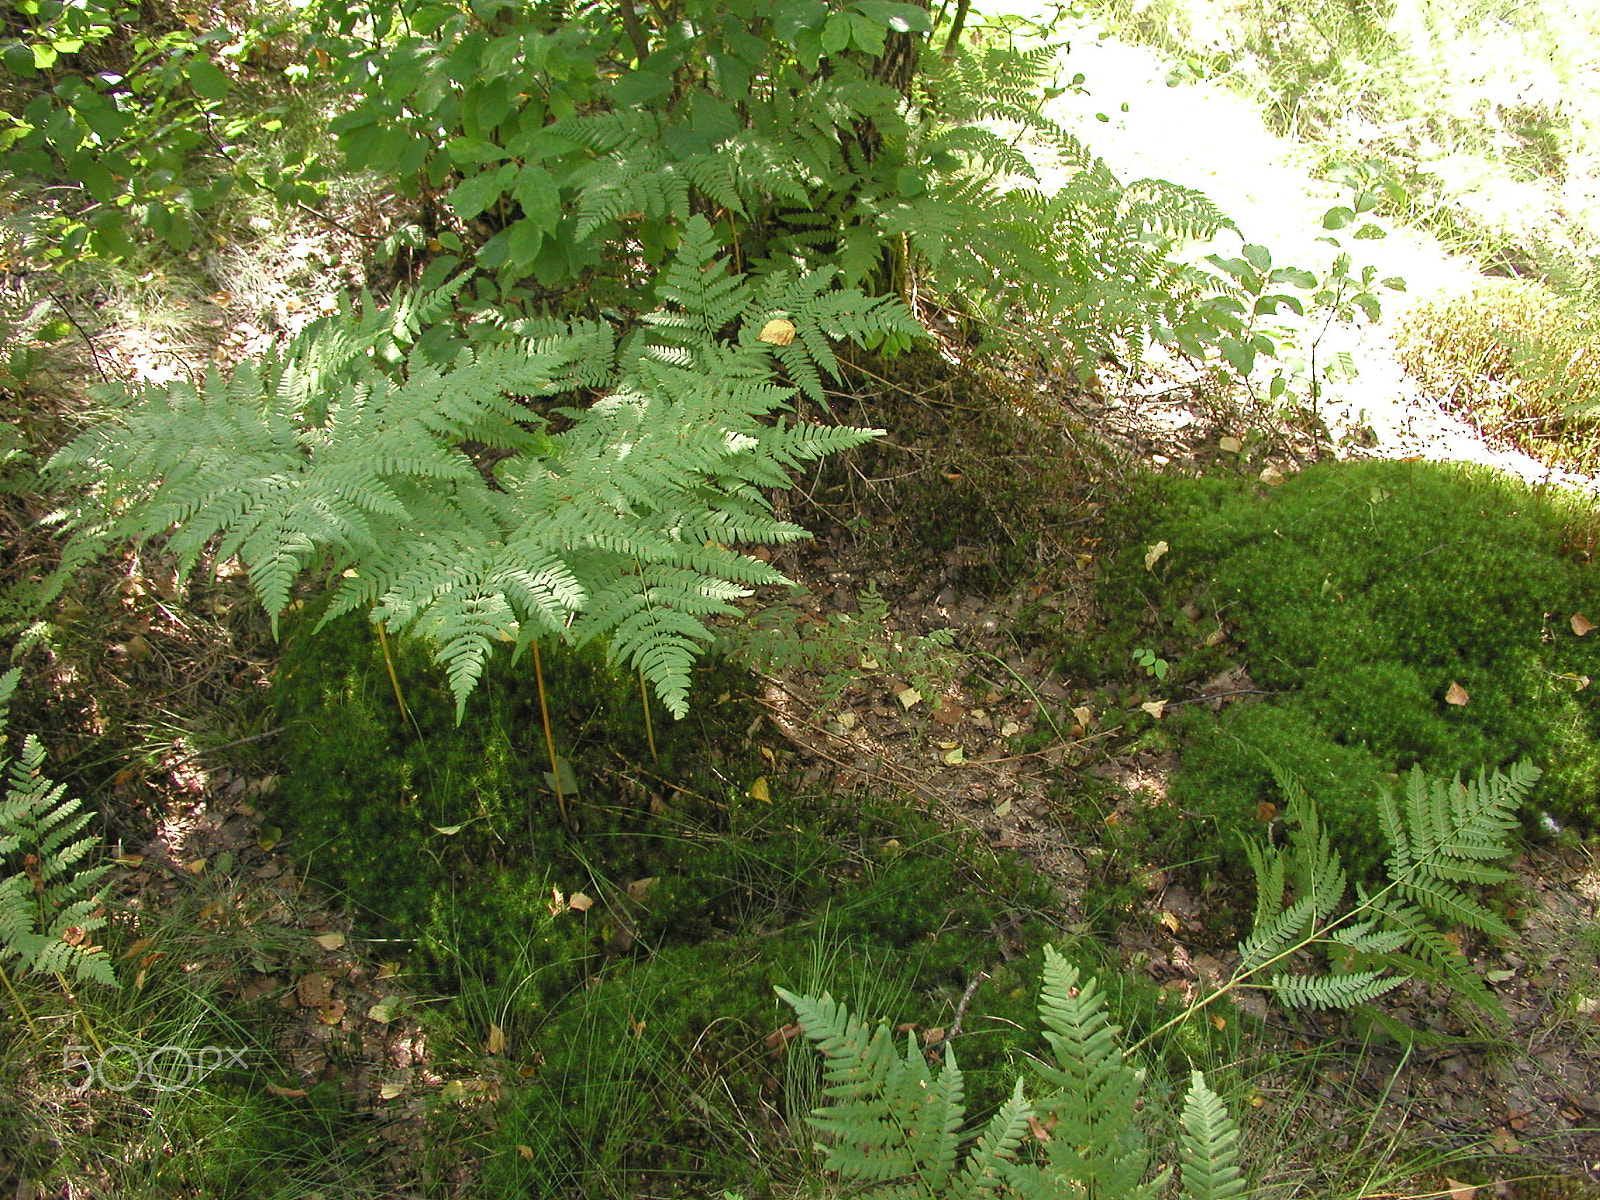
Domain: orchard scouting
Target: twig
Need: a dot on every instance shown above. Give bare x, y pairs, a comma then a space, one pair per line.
255, 737
966, 999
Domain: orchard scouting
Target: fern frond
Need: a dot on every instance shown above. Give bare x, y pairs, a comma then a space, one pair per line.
49, 903
1096, 1142
1445, 834
1210, 1145
888, 1117
1334, 991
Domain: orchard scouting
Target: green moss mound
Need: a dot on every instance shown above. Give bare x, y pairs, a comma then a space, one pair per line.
1366, 598
703, 895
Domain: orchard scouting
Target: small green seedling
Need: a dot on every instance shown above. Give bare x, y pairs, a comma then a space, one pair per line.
1152, 663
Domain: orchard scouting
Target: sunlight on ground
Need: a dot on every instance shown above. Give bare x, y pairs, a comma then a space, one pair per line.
1203, 136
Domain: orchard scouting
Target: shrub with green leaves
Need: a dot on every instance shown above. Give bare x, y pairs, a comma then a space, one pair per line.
433, 477
557, 147
120, 110
1400, 614
898, 1128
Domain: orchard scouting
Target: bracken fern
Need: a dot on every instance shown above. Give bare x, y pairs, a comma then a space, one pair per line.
416, 470
897, 1126
49, 902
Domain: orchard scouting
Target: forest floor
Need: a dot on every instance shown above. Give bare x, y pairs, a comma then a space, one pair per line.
1528, 1095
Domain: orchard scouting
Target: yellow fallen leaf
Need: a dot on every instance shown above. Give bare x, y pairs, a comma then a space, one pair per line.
777, 332
1271, 476
909, 698
1154, 707
1456, 694
332, 1013
390, 1090
1170, 920
1459, 1190
759, 790
1084, 716
454, 1090
495, 1043
525, 1152
330, 941
1230, 444
1580, 624
955, 757
195, 866
580, 902
1152, 554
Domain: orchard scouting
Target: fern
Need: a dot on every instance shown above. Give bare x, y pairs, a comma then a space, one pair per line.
48, 899
896, 1126
1210, 1144
1442, 834
361, 455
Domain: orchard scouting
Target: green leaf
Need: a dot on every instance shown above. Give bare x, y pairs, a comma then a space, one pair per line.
792, 19
1241, 355
867, 34
466, 150
1338, 217
477, 192
1260, 257
836, 33
207, 79
902, 18
538, 196
639, 87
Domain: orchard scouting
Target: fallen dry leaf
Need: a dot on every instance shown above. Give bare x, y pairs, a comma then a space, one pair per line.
759, 790
330, 941
313, 991
1153, 555
1271, 476
1231, 444
332, 1013
1154, 707
579, 902
1580, 624
1456, 694
777, 332
286, 1093
495, 1043
390, 1090
1459, 1190
909, 698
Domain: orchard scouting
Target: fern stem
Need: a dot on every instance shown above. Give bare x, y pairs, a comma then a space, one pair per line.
88, 1026
388, 662
649, 725
5, 976
549, 738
